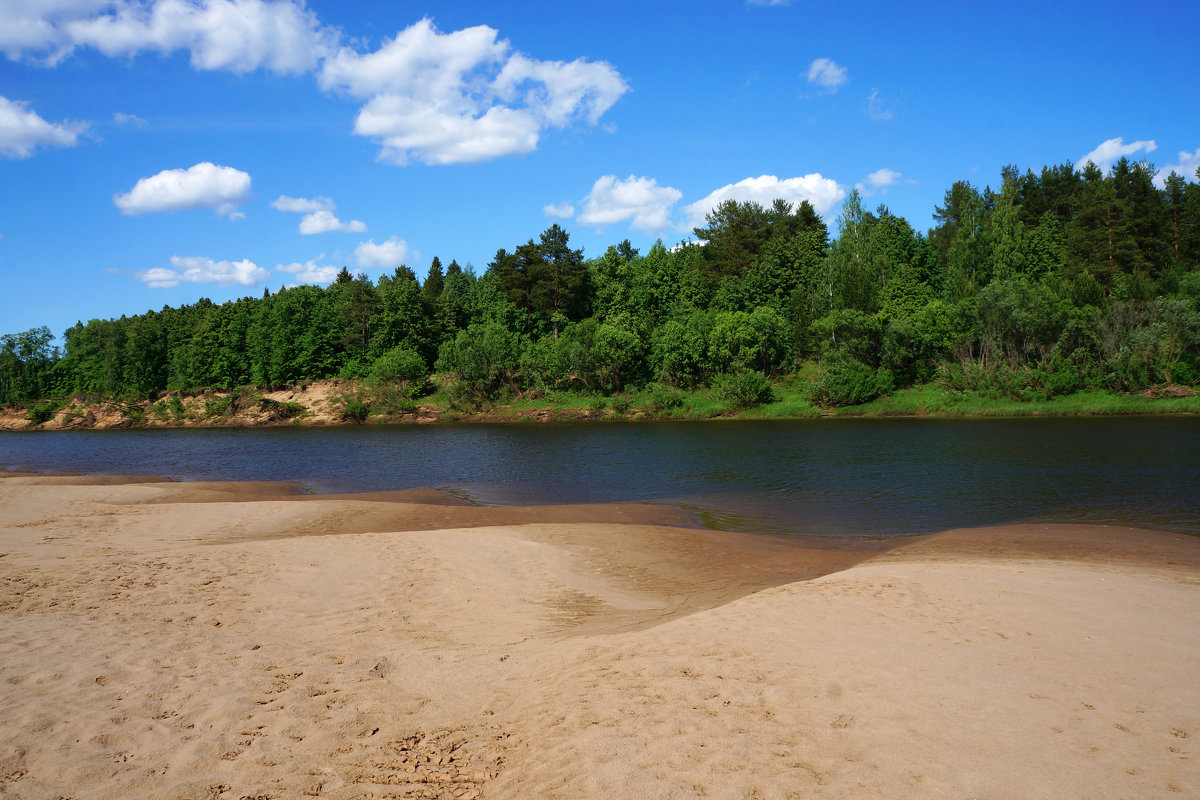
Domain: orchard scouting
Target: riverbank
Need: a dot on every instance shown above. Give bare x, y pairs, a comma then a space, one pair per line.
347, 402
188, 640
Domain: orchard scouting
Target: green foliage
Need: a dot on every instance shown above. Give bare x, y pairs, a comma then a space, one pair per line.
744, 389
403, 368
27, 364
848, 381
621, 404
850, 331
662, 398
355, 410
43, 412
277, 411
393, 401
483, 359
218, 406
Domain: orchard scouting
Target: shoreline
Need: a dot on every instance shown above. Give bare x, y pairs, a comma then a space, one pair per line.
209, 640
323, 403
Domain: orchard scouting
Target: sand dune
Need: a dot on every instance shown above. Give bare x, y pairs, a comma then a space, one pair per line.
165, 640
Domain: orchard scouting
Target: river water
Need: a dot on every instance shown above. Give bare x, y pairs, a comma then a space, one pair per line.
859, 478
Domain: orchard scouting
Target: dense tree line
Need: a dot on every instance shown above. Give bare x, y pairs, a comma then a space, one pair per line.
1060, 280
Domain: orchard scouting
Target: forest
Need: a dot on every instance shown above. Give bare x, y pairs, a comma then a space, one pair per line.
1062, 280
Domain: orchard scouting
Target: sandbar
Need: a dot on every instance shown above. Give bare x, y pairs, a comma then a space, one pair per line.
172, 640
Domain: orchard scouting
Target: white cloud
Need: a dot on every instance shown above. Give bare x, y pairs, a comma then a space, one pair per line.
823, 193
561, 210
433, 97
827, 73
1186, 167
407, 129
558, 91
194, 269
879, 180
22, 130
311, 271
391, 253
129, 119
318, 214
236, 35
1111, 150
204, 185
641, 201
35, 25
464, 96
302, 205
876, 109
325, 221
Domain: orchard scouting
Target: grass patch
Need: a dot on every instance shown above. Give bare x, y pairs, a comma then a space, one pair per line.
932, 400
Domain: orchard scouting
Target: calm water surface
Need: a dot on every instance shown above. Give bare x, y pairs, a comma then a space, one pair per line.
843, 478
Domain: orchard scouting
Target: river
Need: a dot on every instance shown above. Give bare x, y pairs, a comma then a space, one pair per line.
858, 478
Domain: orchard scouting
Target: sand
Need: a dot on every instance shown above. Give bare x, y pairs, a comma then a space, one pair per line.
166, 640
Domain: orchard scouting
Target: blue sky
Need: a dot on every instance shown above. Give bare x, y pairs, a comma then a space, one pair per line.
152, 153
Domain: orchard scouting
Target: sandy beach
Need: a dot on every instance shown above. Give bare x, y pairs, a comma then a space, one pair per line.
233, 641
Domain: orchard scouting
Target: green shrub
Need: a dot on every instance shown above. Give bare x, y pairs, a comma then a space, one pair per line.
176, 406
484, 358
661, 398
849, 382
404, 367
394, 401
276, 410
160, 410
744, 389
621, 404
355, 410
42, 413
218, 406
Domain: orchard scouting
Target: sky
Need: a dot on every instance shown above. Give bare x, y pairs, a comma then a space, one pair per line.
156, 152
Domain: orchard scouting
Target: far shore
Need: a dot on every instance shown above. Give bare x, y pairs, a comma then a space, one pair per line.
325, 403
222, 640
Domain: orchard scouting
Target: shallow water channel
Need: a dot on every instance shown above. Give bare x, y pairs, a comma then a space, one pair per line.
860, 478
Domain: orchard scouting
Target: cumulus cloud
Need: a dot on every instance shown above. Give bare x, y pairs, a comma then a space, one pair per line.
310, 271
325, 221
1186, 167
236, 35
36, 26
826, 73
22, 130
194, 269
823, 193
560, 210
879, 180
640, 201
433, 97
204, 185
464, 96
318, 214
1111, 150
392, 253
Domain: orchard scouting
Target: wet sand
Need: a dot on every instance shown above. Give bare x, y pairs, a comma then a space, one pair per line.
173, 640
